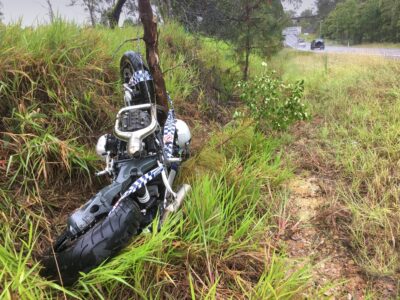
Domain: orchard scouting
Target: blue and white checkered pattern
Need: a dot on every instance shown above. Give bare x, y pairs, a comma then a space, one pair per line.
139, 76
169, 133
139, 183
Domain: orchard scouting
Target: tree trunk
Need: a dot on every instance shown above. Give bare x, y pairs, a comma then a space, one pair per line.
116, 13
246, 64
92, 17
151, 39
248, 46
50, 10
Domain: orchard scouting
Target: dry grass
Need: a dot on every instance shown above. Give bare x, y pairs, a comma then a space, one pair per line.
355, 142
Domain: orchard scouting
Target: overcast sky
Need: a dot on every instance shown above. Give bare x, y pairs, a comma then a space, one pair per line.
32, 12
305, 5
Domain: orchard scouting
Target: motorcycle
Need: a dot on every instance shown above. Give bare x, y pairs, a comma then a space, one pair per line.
142, 158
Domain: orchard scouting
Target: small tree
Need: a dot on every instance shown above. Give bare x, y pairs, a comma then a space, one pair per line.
151, 40
252, 25
50, 11
93, 7
115, 13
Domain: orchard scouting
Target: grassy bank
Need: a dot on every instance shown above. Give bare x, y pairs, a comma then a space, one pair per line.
353, 146
59, 92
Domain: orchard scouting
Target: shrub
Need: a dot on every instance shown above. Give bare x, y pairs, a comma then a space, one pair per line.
272, 103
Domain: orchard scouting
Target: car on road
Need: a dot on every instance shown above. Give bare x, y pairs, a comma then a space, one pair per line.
318, 44
301, 43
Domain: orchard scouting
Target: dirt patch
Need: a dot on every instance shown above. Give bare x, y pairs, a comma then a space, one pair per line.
320, 231
330, 259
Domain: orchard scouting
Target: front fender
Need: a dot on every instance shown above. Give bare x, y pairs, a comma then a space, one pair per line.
102, 203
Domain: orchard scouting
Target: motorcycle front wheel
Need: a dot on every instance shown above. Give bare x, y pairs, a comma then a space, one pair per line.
130, 63
104, 240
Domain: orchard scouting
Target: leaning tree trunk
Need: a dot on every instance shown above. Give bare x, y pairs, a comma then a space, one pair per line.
116, 13
151, 39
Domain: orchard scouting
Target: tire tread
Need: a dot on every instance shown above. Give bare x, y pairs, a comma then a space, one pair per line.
104, 240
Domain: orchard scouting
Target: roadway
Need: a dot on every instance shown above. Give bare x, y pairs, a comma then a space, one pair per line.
291, 41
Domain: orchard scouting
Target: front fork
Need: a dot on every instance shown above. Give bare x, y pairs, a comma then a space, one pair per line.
177, 198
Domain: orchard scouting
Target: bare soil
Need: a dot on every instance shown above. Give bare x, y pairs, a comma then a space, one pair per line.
330, 259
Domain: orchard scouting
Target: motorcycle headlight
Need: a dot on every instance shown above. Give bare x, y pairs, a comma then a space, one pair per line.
183, 133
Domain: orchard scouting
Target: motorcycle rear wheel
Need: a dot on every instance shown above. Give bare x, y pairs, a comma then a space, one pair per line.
104, 240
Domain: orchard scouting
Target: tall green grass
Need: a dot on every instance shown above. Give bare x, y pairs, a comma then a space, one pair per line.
59, 82
59, 92
217, 246
357, 102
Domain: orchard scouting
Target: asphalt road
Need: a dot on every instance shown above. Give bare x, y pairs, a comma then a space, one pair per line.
291, 41
386, 52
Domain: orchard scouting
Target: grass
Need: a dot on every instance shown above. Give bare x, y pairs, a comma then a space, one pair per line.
59, 88
206, 250
379, 45
355, 102
207, 242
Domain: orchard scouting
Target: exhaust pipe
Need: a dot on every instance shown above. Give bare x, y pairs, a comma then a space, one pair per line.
174, 206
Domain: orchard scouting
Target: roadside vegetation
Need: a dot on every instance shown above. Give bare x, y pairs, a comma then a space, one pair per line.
60, 91
356, 21
380, 45
353, 148
368, 23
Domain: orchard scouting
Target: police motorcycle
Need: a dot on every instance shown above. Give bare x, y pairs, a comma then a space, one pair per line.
142, 159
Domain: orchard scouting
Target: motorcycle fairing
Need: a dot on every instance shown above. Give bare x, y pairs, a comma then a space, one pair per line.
102, 202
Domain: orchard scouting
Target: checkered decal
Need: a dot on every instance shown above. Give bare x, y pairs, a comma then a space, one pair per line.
139, 76
139, 183
169, 133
